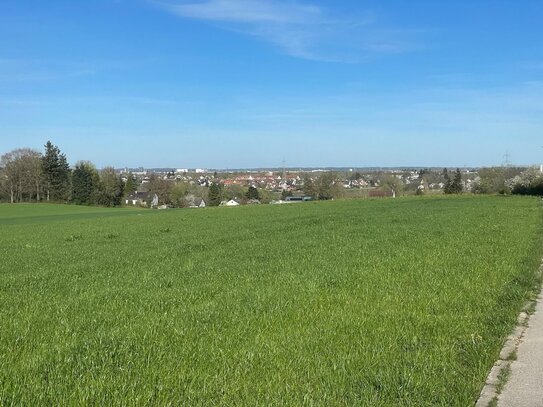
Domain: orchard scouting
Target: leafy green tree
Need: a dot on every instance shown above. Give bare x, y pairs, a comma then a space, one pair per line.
85, 181
178, 193
328, 186
393, 183
252, 193
215, 194
161, 187
354, 176
324, 184
495, 180
109, 190
56, 173
267, 196
234, 191
285, 193
198, 191
310, 187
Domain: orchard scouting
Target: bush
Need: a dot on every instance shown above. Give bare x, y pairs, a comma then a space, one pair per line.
529, 182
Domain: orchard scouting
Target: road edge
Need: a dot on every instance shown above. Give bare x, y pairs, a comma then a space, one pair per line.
499, 374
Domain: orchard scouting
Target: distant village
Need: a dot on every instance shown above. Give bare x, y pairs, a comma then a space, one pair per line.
182, 187
29, 175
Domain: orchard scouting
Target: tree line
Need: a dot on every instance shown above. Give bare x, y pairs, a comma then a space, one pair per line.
31, 176
28, 175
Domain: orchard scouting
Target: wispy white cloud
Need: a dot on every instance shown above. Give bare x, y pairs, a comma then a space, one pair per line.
36, 70
248, 11
46, 70
298, 29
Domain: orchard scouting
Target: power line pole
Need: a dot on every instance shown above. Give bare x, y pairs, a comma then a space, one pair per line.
507, 157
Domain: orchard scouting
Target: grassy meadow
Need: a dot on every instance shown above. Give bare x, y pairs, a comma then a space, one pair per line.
401, 302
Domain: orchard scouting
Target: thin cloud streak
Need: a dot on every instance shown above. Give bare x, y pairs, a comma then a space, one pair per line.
247, 11
43, 70
299, 30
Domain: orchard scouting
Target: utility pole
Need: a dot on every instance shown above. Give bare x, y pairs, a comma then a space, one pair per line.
507, 157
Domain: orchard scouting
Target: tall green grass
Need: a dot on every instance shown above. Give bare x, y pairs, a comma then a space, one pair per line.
376, 303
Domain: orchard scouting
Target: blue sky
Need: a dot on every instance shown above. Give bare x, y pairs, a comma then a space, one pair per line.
248, 83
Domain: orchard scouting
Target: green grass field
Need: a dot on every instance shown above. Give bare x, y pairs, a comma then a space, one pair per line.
400, 302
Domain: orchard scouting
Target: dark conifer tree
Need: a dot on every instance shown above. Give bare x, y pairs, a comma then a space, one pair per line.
456, 185
84, 183
215, 194
252, 193
448, 184
130, 186
56, 173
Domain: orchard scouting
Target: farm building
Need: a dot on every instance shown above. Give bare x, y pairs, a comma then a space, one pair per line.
231, 202
382, 194
192, 201
137, 198
298, 198
198, 203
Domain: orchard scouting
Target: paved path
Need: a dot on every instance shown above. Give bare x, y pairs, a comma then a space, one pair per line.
525, 386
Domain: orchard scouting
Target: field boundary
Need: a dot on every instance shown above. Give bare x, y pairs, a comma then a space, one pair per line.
499, 374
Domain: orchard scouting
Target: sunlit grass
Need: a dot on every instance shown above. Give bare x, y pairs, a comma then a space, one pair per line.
383, 303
